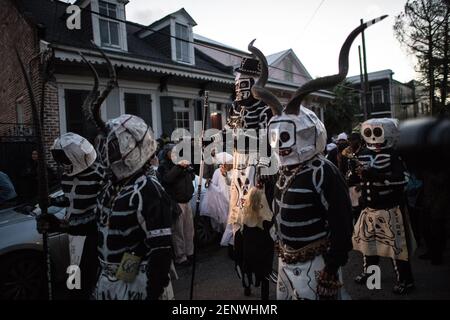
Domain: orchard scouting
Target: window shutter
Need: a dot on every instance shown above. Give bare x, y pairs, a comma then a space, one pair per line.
167, 115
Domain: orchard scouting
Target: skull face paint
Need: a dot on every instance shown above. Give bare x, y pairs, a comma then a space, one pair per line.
380, 134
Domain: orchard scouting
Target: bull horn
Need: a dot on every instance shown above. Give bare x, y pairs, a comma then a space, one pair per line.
93, 102
258, 89
327, 82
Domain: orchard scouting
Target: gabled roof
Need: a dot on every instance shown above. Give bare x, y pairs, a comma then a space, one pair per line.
182, 12
273, 59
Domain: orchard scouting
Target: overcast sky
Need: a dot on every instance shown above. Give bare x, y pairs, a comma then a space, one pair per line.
282, 24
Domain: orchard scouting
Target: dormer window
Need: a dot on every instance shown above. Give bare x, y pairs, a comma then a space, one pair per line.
182, 43
109, 32
109, 29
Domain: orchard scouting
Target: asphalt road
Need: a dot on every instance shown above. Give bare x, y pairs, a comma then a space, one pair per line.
217, 280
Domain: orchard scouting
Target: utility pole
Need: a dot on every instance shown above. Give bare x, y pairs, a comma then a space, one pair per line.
366, 77
363, 86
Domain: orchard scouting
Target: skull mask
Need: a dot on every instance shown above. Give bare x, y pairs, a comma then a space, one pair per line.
297, 138
242, 87
128, 146
295, 132
380, 134
245, 79
74, 153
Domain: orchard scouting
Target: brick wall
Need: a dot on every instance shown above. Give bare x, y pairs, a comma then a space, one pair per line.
16, 31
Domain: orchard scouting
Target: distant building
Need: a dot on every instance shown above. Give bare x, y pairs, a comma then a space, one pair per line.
389, 97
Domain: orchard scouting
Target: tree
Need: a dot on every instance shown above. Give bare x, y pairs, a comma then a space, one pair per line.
340, 114
423, 29
442, 59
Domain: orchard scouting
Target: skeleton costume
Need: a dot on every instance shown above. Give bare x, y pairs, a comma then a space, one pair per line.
134, 218
253, 246
133, 210
382, 228
81, 182
247, 117
312, 205
312, 208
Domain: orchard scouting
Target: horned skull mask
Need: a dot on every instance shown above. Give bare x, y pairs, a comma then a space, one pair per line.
295, 132
297, 138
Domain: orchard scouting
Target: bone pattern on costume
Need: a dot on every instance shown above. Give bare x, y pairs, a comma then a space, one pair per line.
121, 225
299, 209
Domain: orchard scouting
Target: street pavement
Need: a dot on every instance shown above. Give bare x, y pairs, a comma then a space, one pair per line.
217, 280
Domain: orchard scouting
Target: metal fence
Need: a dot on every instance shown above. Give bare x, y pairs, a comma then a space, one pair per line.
17, 141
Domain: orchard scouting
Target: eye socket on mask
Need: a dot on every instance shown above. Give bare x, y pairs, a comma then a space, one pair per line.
60, 157
367, 132
243, 84
377, 132
282, 134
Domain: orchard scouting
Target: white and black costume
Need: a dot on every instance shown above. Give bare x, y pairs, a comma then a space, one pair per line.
134, 217
81, 182
312, 205
253, 246
312, 208
382, 229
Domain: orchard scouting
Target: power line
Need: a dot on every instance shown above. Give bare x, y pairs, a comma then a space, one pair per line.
313, 16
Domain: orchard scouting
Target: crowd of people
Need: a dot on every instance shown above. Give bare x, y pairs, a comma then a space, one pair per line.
132, 197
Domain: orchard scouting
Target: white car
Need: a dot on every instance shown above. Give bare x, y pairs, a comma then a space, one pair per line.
22, 261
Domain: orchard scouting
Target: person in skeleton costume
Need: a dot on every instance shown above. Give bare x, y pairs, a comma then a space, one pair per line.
134, 218
312, 205
382, 228
133, 213
81, 181
248, 118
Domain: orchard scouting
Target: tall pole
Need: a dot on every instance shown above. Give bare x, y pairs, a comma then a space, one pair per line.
42, 167
199, 188
363, 93
366, 76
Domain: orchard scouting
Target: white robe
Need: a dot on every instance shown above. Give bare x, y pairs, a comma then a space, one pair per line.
216, 202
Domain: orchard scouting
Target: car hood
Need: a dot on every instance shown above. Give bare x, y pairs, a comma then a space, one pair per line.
10, 216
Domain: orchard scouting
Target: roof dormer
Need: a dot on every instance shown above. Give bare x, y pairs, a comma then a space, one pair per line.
178, 26
108, 31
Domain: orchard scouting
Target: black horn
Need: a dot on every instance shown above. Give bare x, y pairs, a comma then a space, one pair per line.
258, 90
93, 94
93, 102
328, 82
